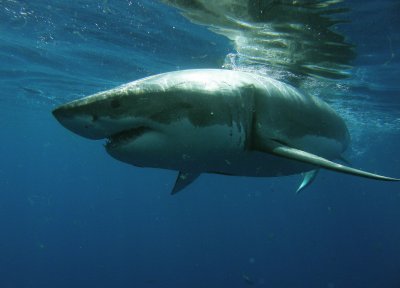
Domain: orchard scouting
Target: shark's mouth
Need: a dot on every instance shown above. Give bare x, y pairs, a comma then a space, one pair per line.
125, 136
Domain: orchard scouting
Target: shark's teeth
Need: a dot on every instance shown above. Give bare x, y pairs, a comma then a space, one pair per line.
125, 136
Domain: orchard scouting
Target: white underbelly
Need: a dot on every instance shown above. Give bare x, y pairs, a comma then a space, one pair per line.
212, 149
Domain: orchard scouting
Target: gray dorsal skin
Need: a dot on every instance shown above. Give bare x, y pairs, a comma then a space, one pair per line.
213, 121
308, 178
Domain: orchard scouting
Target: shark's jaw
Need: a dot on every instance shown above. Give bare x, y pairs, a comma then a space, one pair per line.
125, 137
121, 132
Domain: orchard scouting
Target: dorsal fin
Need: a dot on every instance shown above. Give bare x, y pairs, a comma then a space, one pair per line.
182, 180
282, 150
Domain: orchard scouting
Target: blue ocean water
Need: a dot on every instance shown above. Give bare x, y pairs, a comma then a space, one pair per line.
71, 216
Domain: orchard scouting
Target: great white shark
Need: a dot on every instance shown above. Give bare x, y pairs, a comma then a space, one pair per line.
214, 121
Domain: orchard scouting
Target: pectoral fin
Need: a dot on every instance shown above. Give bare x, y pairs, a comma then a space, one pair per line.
308, 178
344, 160
282, 150
183, 180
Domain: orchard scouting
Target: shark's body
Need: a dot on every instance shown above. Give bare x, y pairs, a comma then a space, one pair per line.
213, 121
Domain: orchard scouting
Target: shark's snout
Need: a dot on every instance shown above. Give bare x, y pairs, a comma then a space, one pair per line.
60, 112
83, 124
96, 118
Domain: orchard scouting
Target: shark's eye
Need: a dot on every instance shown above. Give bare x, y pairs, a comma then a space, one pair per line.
115, 103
